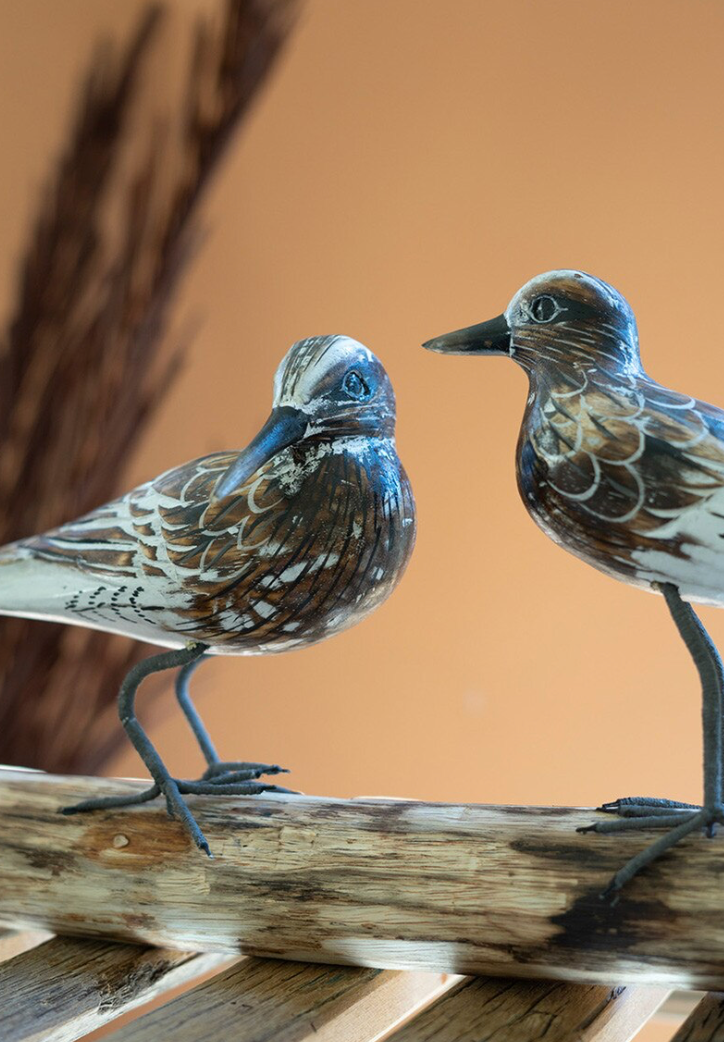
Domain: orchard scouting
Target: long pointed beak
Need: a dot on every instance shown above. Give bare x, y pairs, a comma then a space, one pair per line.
486, 338
285, 426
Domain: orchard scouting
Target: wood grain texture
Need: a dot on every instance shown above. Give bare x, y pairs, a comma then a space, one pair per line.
65, 988
453, 888
705, 1023
527, 1011
271, 1001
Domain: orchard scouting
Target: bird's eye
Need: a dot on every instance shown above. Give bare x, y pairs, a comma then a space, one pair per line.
544, 309
354, 386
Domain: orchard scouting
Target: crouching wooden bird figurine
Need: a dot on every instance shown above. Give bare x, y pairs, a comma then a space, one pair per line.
300, 535
628, 476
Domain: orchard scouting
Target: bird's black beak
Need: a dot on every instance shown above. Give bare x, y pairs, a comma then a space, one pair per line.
486, 338
285, 426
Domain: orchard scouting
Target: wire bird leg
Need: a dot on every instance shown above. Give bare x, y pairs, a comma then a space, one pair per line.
227, 781
219, 773
640, 812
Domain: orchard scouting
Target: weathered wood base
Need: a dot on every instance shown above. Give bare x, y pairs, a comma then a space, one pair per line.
394, 884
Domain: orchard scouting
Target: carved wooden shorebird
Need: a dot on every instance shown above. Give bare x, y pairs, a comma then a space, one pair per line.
628, 476
295, 538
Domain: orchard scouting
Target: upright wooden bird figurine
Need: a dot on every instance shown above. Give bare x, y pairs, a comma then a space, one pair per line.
300, 535
628, 476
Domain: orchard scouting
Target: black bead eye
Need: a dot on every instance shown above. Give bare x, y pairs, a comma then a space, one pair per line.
544, 309
354, 386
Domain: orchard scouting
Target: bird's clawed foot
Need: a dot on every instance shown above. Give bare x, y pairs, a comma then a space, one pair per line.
168, 787
109, 802
222, 771
645, 806
221, 779
235, 777
640, 812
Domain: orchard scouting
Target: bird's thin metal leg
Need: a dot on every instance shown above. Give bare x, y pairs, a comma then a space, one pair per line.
239, 782
164, 783
709, 666
184, 700
643, 813
219, 773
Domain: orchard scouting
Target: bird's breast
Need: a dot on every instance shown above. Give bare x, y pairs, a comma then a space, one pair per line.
623, 474
328, 542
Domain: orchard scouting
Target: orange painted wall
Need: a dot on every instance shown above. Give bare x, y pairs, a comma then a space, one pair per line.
411, 164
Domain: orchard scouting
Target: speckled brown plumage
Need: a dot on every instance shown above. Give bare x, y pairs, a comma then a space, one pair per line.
314, 540
603, 464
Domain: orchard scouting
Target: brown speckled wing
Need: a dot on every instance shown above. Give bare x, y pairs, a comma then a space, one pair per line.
207, 537
101, 543
123, 538
603, 466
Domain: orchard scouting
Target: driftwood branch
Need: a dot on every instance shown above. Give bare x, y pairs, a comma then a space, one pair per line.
401, 885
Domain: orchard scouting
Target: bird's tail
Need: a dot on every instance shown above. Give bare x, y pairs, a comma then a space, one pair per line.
30, 586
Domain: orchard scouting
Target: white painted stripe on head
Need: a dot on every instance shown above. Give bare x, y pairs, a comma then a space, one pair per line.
306, 363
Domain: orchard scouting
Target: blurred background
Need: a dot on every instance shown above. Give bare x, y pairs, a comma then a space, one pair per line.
403, 169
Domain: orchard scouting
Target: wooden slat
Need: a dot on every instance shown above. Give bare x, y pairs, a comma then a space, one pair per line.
263, 1000
705, 1023
65, 988
402, 885
527, 1011
14, 942
680, 1004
